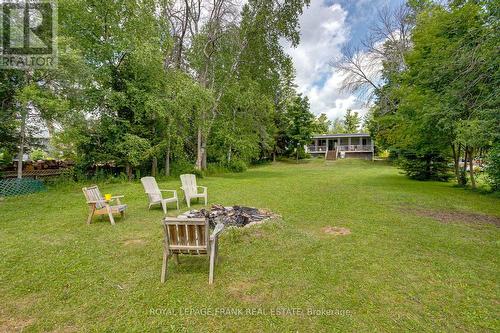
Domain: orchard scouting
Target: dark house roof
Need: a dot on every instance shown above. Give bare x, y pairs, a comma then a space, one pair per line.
341, 135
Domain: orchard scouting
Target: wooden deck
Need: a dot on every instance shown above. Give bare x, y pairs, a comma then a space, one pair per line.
346, 148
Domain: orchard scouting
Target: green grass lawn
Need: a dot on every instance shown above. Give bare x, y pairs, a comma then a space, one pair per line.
416, 259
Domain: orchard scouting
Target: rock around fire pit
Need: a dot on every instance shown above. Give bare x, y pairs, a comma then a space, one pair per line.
237, 216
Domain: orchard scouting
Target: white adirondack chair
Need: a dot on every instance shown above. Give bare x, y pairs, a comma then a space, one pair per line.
191, 189
155, 194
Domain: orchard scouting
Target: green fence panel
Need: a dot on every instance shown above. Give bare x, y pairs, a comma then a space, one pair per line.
14, 186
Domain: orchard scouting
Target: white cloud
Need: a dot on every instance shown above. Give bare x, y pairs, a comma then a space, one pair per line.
324, 31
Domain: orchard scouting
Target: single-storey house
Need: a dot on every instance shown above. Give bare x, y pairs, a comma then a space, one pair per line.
345, 145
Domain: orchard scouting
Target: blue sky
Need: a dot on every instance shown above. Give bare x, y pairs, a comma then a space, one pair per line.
361, 13
326, 27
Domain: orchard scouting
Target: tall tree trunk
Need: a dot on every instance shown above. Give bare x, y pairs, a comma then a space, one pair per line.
128, 170
154, 166
22, 139
428, 166
183, 34
199, 150
464, 168
230, 151
471, 168
22, 134
456, 158
201, 160
204, 154
167, 160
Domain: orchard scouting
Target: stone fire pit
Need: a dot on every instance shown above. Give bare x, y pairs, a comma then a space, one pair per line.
237, 216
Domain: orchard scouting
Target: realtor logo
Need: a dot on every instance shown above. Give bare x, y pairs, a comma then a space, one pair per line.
28, 34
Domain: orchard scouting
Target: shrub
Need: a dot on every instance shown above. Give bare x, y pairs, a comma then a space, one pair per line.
196, 172
292, 153
216, 169
5, 157
462, 178
67, 179
37, 154
384, 154
429, 166
236, 165
493, 167
181, 166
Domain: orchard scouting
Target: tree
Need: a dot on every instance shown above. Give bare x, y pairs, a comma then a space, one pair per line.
474, 134
300, 124
35, 100
352, 121
11, 82
132, 151
431, 71
322, 124
452, 64
379, 55
122, 45
337, 126
493, 167
190, 82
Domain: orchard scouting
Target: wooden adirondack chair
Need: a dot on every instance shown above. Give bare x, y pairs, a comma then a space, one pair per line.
190, 236
155, 194
100, 206
191, 189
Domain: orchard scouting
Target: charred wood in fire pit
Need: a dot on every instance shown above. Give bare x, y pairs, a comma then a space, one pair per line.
238, 216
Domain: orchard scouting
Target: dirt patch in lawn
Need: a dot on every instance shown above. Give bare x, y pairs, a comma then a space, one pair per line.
458, 216
137, 241
14, 324
242, 290
336, 231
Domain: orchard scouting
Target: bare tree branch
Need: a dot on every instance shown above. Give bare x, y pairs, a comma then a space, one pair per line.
385, 47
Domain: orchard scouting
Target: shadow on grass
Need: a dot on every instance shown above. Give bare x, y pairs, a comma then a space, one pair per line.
188, 265
295, 162
253, 173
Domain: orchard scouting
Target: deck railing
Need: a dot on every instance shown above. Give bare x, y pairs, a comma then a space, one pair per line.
323, 149
316, 149
362, 148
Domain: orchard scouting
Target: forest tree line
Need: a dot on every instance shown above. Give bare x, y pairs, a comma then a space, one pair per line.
157, 85
430, 70
162, 86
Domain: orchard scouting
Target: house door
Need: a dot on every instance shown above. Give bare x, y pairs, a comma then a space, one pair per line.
332, 144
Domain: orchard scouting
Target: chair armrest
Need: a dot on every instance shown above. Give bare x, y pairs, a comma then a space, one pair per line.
96, 201
172, 191
169, 191
217, 231
117, 198
203, 187
102, 202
